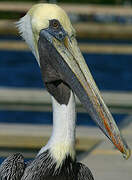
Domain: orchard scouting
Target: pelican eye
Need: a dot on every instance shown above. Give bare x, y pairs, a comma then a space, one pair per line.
56, 30
55, 24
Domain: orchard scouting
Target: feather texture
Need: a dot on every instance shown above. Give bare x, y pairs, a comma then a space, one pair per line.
12, 167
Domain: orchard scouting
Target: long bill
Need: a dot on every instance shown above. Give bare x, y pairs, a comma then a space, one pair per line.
69, 61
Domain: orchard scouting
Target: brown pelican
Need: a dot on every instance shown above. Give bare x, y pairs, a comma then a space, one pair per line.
48, 32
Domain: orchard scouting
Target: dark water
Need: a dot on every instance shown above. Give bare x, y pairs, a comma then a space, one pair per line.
46, 118
110, 71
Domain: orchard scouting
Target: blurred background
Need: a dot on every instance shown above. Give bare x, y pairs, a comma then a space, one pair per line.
104, 33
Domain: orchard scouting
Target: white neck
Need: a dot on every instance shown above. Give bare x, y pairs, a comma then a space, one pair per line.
62, 141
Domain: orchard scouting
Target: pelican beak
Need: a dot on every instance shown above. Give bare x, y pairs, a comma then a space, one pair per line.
69, 62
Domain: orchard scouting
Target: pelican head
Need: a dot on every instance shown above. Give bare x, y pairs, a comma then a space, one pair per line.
47, 30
